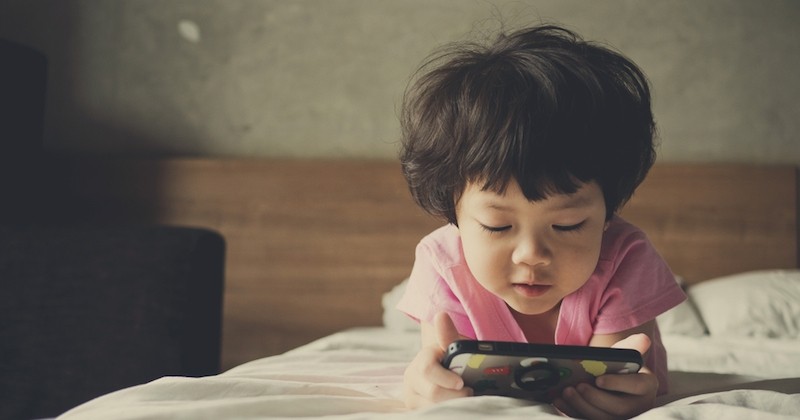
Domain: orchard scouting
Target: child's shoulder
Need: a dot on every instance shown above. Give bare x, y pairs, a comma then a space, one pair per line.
621, 236
445, 234
443, 245
619, 228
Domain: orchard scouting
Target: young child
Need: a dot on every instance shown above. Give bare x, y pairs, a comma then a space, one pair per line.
527, 147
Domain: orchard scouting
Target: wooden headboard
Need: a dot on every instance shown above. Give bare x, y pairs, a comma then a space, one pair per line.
709, 220
312, 245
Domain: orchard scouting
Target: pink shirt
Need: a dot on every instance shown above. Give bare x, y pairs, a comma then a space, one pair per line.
630, 286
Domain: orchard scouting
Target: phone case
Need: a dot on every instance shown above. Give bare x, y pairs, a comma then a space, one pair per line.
533, 371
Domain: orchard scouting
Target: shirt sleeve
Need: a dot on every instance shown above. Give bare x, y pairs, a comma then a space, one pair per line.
640, 288
428, 293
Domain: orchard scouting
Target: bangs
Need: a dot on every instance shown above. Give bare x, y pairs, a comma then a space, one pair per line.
531, 126
535, 187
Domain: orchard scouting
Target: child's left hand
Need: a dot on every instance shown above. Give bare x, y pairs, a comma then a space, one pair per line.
614, 395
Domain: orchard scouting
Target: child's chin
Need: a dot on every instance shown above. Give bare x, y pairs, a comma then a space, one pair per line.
529, 308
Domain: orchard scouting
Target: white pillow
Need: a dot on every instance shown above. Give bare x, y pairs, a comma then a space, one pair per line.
393, 319
762, 303
682, 320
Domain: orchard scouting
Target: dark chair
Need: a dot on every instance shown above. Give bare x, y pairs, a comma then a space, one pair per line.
89, 310
23, 81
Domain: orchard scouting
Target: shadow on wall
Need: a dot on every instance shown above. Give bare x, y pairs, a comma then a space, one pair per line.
39, 81
68, 272
42, 188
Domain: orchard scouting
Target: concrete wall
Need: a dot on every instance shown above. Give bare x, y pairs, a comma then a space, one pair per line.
311, 78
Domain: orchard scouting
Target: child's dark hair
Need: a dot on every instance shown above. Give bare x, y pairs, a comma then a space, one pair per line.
540, 106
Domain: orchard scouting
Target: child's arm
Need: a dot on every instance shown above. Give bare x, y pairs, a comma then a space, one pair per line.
425, 380
615, 396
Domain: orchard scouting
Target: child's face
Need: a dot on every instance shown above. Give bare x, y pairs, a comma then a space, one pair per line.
531, 254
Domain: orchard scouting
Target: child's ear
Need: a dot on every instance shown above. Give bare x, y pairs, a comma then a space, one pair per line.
605, 227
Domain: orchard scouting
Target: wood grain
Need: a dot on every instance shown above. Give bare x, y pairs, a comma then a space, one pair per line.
313, 245
712, 219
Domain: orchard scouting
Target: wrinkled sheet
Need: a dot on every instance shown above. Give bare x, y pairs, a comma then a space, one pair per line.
357, 374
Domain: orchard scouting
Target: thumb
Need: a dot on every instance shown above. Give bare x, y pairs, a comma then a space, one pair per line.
446, 331
639, 342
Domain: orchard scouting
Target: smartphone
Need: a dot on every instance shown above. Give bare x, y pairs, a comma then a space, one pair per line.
536, 372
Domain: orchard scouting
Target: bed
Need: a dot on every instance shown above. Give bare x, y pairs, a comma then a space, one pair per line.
317, 254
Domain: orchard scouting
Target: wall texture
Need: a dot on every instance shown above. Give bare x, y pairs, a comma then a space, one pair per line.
317, 78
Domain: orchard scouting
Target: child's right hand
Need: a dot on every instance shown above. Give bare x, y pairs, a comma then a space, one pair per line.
426, 381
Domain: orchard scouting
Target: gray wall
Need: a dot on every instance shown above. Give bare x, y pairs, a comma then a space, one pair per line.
325, 77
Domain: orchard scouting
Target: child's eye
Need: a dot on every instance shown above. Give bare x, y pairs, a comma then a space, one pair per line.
495, 229
569, 228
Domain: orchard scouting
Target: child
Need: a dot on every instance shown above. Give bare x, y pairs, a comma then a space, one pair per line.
528, 147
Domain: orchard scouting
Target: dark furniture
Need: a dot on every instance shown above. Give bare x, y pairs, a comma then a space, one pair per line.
88, 310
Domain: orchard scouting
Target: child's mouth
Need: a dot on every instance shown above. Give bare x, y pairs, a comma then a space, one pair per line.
531, 290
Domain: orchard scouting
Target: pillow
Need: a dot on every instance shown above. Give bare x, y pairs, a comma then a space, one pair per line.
393, 319
682, 320
763, 303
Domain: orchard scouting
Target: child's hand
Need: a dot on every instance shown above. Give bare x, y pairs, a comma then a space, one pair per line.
614, 395
425, 380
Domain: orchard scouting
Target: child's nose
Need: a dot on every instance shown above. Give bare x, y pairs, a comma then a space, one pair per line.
531, 251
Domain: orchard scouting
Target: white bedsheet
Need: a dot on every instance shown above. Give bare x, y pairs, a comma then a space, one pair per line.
357, 374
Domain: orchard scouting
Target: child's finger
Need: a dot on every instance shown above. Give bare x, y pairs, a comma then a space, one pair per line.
428, 382
639, 342
436, 393
415, 399
419, 393
440, 377
642, 383
565, 408
425, 372
577, 403
446, 331
632, 393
